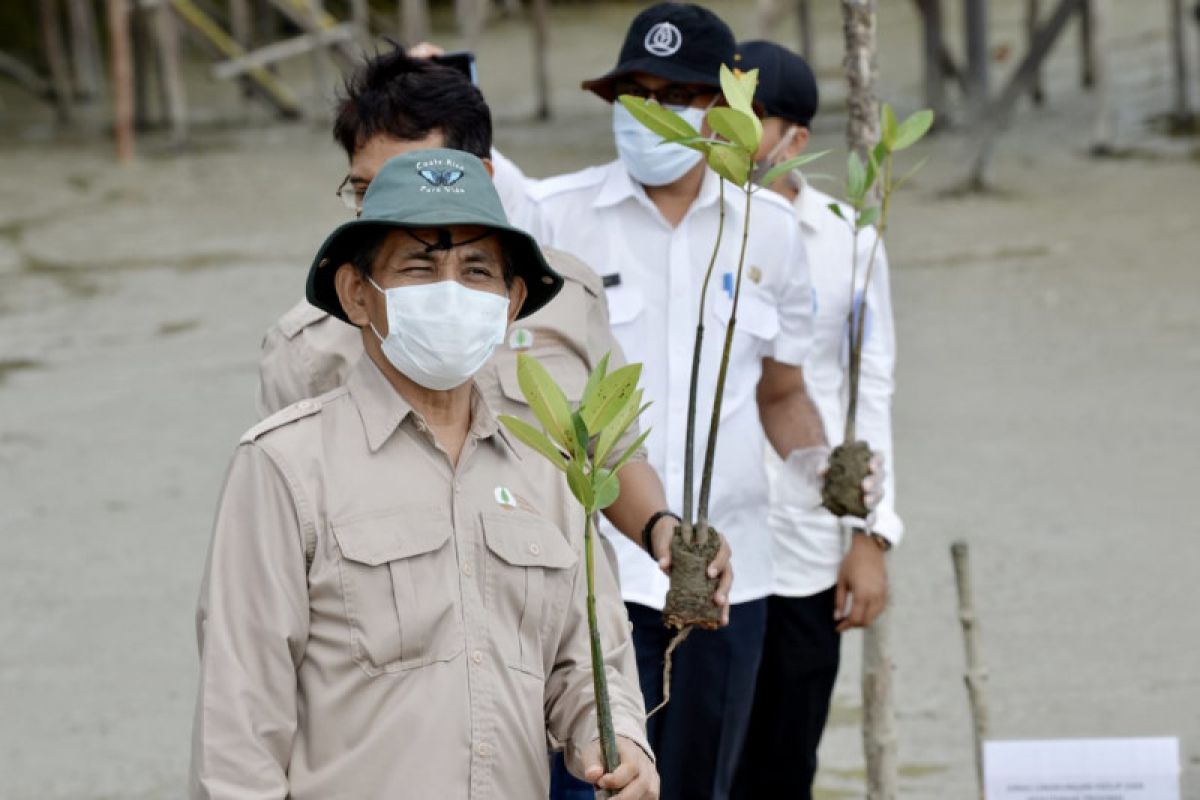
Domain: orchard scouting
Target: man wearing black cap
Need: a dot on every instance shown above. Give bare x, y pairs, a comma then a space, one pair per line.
393, 603
822, 586
647, 223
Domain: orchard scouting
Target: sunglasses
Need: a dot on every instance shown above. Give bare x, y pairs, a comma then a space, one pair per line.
673, 94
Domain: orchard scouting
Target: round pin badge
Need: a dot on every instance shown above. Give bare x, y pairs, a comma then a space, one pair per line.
663, 40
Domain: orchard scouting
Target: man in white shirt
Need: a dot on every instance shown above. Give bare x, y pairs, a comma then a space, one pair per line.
822, 587
647, 223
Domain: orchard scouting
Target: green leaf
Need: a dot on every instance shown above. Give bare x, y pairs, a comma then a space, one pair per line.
739, 90
580, 486
593, 381
534, 438
631, 450
887, 127
730, 162
836, 208
663, 121
615, 429
546, 401
607, 488
701, 143
581, 437
784, 167
879, 154
736, 126
856, 180
611, 396
868, 217
912, 129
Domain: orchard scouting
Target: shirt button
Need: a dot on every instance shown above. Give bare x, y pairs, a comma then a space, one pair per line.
484, 750
304, 405
467, 570
535, 548
477, 657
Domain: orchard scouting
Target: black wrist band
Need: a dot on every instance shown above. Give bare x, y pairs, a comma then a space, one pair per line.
654, 518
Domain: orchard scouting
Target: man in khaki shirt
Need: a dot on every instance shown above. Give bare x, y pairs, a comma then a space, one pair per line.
394, 601
396, 104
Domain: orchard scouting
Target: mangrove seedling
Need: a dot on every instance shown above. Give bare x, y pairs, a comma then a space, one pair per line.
729, 152
870, 185
579, 442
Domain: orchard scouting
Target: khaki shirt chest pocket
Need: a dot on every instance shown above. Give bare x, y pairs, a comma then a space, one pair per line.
529, 580
400, 585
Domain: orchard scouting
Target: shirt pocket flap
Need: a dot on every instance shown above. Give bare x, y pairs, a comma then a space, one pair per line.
567, 370
757, 315
394, 535
523, 540
625, 304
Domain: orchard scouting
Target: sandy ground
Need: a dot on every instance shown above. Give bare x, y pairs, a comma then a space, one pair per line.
1046, 412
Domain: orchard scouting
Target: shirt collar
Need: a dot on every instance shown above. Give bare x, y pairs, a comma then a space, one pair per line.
618, 186
383, 409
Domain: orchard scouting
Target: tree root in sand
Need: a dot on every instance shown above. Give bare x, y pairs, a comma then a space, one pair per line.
849, 466
690, 598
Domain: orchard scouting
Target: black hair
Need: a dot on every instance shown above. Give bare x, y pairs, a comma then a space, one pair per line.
364, 248
408, 98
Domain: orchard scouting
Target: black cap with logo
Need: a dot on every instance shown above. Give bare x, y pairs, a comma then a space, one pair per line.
679, 42
787, 87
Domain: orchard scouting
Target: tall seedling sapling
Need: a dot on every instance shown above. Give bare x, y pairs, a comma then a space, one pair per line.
580, 442
689, 601
866, 183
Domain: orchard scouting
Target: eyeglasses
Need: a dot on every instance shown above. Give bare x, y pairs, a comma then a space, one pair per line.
351, 194
673, 94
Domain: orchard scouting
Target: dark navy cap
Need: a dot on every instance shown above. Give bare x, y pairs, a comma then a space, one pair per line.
679, 42
787, 87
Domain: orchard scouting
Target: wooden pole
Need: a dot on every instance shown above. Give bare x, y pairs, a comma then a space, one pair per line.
56, 58
859, 24
241, 27
1104, 134
808, 47
1182, 111
471, 15
360, 16
975, 29
540, 25
976, 675
140, 48
1087, 45
166, 34
85, 50
414, 21
121, 77
931, 47
1032, 14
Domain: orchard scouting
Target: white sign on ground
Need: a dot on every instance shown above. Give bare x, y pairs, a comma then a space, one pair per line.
1082, 769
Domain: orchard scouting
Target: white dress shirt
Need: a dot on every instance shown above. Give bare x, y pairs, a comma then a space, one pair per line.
653, 273
808, 544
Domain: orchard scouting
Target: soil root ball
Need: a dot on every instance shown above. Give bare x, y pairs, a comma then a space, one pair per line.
690, 598
849, 466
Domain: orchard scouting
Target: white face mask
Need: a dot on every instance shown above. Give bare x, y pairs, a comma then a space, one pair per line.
651, 162
440, 334
763, 167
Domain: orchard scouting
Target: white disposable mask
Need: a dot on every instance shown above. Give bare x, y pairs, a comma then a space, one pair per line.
763, 167
440, 334
649, 160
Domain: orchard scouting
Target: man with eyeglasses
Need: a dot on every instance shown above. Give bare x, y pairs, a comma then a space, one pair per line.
651, 222
397, 103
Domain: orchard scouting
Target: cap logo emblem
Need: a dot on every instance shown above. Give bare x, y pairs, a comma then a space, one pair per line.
441, 175
663, 40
